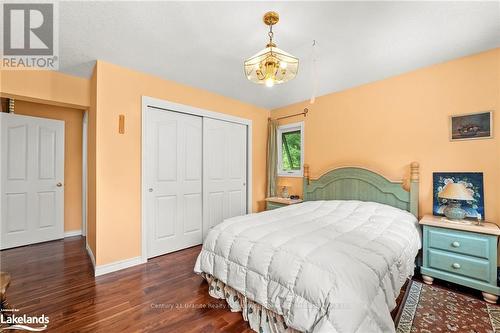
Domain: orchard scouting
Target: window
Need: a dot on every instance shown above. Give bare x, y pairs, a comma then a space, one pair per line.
290, 150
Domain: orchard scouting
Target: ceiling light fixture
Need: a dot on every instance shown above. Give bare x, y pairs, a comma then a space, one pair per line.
271, 65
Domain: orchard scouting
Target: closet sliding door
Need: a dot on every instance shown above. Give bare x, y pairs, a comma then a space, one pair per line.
224, 171
173, 176
194, 177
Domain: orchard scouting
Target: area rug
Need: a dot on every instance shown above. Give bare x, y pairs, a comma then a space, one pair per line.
429, 309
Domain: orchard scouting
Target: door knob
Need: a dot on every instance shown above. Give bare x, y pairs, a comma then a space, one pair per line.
59, 184
455, 244
456, 265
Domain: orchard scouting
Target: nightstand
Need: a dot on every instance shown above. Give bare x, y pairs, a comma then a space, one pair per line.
277, 202
464, 254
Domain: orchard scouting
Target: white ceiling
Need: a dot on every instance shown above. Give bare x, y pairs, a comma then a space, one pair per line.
203, 44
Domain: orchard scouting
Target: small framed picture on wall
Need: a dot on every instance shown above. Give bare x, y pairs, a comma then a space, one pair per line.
471, 126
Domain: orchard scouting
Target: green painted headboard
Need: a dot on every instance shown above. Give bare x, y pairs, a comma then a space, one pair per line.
355, 183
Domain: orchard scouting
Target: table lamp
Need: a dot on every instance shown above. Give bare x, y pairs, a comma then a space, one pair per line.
455, 193
284, 192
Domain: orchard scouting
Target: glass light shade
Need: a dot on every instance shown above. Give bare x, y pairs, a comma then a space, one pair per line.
455, 191
271, 66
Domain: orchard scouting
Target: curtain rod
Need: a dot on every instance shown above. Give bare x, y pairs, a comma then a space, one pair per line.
306, 110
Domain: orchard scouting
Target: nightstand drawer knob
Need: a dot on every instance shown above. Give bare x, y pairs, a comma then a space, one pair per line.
456, 265
455, 244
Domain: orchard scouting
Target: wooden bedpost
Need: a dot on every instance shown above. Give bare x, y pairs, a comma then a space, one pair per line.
414, 184
305, 183
306, 173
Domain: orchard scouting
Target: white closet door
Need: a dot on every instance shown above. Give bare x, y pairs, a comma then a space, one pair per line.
173, 162
32, 178
224, 171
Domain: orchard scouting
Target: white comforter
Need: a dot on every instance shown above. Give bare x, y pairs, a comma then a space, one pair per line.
325, 266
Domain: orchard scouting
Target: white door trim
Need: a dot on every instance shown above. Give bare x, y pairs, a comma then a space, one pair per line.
171, 106
84, 172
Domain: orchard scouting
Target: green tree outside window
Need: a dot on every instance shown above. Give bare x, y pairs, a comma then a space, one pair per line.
290, 151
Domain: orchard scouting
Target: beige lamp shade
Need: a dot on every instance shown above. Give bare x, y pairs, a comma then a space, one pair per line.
271, 66
455, 191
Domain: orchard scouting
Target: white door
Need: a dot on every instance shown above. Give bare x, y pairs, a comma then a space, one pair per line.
173, 176
224, 171
32, 178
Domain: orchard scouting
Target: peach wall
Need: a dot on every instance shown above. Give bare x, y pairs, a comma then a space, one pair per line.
118, 157
497, 128
387, 124
72, 155
45, 86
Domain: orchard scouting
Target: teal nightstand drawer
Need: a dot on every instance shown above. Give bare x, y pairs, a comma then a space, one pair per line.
459, 242
471, 267
274, 205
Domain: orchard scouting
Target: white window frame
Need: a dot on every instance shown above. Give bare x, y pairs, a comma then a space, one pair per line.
279, 133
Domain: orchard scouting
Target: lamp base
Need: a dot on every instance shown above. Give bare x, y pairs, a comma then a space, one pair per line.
454, 211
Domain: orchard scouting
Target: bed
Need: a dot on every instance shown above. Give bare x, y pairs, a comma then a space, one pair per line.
334, 263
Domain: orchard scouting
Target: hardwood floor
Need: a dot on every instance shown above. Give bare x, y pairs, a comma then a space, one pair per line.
164, 295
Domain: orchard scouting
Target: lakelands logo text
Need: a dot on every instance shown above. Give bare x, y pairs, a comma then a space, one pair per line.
29, 36
24, 322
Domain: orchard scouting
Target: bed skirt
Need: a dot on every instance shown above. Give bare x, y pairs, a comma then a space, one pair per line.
258, 317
